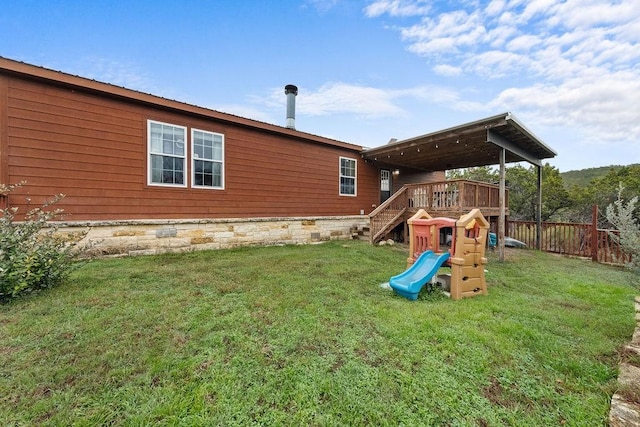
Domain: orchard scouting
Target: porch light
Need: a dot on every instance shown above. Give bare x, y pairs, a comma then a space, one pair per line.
396, 172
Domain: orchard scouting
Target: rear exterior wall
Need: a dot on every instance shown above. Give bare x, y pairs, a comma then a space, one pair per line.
93, 149
409, 176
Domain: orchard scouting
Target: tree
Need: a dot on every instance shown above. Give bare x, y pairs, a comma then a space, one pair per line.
523, 196
481, 173
523, 192
603, 192
623, 217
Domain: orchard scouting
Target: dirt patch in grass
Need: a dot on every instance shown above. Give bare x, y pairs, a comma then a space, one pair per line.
494, 393
510, 397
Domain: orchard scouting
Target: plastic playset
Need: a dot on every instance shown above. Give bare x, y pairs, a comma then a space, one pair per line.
465, 256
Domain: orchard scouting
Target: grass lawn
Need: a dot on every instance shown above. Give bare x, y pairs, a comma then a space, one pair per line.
304, 335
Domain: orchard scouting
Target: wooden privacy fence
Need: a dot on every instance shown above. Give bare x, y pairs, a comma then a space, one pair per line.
571, 239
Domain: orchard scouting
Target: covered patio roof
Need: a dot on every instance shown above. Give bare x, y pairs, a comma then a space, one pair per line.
473, 144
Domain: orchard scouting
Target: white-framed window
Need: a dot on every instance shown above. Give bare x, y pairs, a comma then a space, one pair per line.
207, 154
167, 154
348, 184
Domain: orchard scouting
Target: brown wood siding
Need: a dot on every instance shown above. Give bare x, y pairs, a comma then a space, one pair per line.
411, 176
4, 139
93, 149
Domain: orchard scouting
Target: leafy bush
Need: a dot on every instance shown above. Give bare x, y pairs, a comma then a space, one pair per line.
621, 215
33, 255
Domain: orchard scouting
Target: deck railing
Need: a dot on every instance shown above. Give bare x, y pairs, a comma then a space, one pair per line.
571, 239
556, 237
474, 194
443, 198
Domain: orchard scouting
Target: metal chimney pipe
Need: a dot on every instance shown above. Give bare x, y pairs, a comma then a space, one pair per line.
291, 91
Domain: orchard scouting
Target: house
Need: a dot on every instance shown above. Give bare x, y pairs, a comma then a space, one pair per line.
146, 174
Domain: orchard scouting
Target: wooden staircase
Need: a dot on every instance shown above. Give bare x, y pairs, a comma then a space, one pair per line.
388, 215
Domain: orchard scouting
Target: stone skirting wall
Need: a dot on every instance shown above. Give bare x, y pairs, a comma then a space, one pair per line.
625, 403
147, 237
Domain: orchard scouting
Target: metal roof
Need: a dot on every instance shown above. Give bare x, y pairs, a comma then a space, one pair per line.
473, 144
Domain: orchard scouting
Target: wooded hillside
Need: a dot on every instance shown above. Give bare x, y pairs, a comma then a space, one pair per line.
583, 177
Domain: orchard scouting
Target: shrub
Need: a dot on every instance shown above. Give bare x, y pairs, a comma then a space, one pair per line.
33, 254
621, 215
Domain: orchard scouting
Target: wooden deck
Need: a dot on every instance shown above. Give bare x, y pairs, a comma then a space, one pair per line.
449, 199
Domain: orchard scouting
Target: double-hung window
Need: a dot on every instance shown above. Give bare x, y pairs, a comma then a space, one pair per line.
167, 154
208, 159
347, 176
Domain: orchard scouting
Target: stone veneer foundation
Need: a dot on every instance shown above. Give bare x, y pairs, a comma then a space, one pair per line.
148, 237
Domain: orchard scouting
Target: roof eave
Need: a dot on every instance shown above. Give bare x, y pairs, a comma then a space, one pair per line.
442, 134
522, 128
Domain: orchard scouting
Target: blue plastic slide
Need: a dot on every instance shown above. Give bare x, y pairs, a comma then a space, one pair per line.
409, 282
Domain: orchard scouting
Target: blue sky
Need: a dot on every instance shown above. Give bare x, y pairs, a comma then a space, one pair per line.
367, 70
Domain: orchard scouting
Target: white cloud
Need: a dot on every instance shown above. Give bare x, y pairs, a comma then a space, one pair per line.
447, 70
322, 6
496, 64
494, 8
457, 23
432, 94
593, 13
245, 111
447, 33
117, 73
499, 36
333, 98
343, 99
337, 98
523, 43
397, 8
574, 63
606, 107
373, 103
628, 32
537, 7
433, 46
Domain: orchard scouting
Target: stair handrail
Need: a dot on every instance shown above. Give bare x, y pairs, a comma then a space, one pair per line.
387, 205
389, 201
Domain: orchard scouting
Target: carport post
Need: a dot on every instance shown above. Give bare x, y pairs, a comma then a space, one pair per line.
502, 202
539, 210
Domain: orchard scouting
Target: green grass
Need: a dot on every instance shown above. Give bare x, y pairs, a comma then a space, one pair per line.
304, 335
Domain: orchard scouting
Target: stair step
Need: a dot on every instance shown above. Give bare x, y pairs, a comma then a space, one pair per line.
361, 233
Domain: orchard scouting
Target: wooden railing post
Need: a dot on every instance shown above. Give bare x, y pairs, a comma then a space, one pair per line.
594, 233
476, 187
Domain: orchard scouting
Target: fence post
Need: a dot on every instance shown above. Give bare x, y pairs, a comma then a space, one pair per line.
539, 210
594, 233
